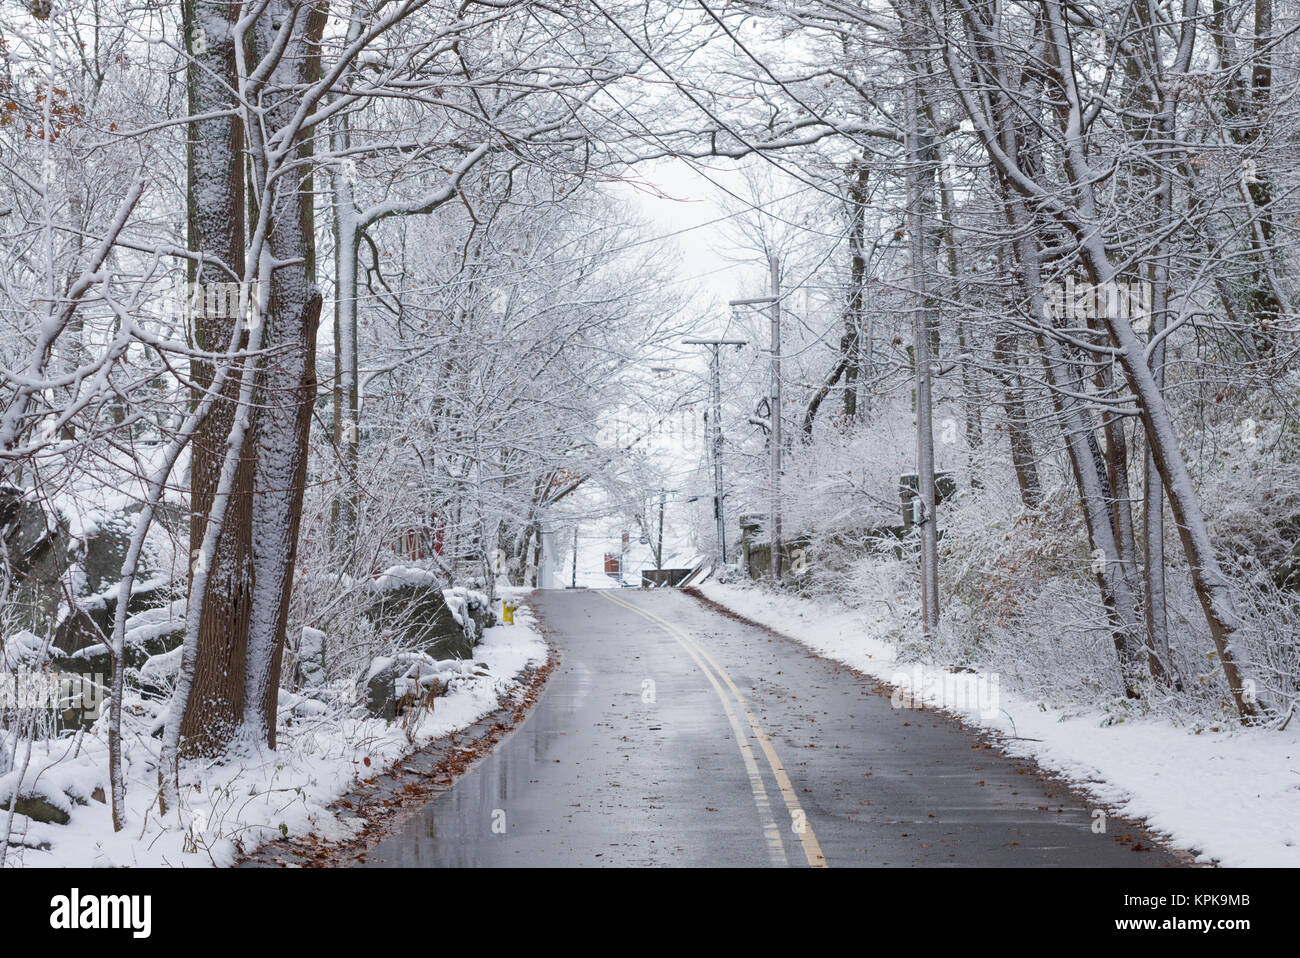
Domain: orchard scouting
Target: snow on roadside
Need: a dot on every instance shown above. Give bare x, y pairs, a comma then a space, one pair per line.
1231, 795
261, 796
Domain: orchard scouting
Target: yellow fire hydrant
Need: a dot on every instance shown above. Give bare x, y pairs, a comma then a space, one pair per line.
507, 612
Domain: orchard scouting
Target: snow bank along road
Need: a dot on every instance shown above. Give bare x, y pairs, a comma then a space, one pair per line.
674, 735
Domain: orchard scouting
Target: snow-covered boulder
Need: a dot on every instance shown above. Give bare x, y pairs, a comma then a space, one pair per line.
394, 683
159, 672
148, 633
410, 604
22, 650
50, 796
36, 543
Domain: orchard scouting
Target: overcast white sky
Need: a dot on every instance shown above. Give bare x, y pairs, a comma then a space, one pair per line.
691, 197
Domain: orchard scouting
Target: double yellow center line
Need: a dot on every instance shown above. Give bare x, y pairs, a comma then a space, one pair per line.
713, 671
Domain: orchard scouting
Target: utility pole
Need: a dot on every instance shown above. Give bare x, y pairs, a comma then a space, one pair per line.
926, 529
716, 375
659, 551
574, 581
774, 403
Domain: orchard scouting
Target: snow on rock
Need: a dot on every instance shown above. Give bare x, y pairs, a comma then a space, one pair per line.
380, 664
410, 602
400, 576
464, 604
155, 623
1229, 794
160, 671
460, 600
21, 650
52, 784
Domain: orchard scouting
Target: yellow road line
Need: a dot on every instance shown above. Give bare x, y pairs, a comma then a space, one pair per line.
775, 847
802, 827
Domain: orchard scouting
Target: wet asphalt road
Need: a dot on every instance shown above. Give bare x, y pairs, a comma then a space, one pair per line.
673, 735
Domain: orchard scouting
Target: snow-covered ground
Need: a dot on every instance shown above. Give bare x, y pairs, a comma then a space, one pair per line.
1231, 795
260, 796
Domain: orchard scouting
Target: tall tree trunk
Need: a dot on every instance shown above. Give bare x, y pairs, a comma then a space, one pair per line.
1247, 103
1006, 358
1162, 135
287, 377
1006, 366
851, 340
215, 160
1121, 503
1086, 462
346, 392
348, 231
849, 364
1153, 498
1020, 136
819, 397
